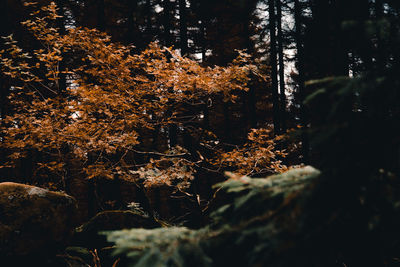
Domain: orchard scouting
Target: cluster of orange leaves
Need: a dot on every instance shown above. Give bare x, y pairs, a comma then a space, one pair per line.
258, 155
111, 95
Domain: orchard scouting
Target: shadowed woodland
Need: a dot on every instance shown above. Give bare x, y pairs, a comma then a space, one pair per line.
192, 123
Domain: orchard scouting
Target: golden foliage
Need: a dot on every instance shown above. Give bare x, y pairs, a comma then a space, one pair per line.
259, 155
111, 96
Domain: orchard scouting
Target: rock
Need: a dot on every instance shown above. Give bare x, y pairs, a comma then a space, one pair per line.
88, 235
34, 220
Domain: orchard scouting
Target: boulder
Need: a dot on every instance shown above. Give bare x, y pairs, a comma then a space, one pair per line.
34, 220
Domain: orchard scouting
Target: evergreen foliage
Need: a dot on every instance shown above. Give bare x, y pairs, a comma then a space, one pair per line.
262, 219
357, 119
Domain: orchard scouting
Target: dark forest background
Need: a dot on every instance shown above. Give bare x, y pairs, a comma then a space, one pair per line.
333, 68
297, 41
332, 91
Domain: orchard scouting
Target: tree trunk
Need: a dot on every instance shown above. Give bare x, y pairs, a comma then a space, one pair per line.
101, 15
183, 27
4, 91
206, 118
62, 81
252, 107
203, 40
227, 123
301, 88
173, 134
149, 26
132, 6
281, 65
381, 51
202, 18
167, 22
274, 79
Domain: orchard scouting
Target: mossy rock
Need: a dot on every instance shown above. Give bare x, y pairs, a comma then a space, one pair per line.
34, 220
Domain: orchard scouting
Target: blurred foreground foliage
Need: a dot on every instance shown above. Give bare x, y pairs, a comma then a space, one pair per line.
290, 219
243, 232
354, 123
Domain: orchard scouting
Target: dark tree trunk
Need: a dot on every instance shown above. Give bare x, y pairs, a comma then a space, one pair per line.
206, 118
173, 135
132, 6
5, 28
101, 15
62, 81
281, 65
149, 26
156, 135
4, 90
167, 22
340, 47
381, 51
227, 123
273, 63
183, 27
172, 127
301, 87
203, 40
202, 18
252, 107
